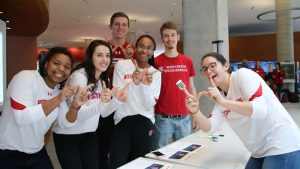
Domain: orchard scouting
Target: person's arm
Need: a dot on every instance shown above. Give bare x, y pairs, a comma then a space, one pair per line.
199, 121
151, 92
23, 97
76, 110
252, 103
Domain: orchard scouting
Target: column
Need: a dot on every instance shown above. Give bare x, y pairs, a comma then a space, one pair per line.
204, 21
284, 31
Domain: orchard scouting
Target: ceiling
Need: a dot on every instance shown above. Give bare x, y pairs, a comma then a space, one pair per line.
73, 22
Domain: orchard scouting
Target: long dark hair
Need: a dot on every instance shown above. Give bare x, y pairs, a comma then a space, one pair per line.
218, 57
89, 67
151, 59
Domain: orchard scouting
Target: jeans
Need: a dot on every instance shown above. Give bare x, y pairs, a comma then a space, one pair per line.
283, 161
12, 159
171, 128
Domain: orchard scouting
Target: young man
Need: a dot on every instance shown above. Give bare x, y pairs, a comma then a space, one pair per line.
172, 119
119, 25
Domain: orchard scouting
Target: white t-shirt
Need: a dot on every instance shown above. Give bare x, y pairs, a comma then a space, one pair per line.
89, 113
141, 98
23, 122
270, 130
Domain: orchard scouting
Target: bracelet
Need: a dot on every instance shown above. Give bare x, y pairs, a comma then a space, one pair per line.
194, 112
72, 106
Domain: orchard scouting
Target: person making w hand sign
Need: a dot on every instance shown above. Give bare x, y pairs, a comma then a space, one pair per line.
252, 110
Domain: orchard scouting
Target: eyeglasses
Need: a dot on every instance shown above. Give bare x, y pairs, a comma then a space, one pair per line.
148, 48
211, 67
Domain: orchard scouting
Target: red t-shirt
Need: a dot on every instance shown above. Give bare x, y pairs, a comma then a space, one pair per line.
171, 100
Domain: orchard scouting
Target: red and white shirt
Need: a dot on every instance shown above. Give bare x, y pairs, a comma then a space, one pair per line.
270, 130
23, 122
89, 113
141, 98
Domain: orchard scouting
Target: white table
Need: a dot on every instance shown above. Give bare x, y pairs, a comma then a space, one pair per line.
227, 153
142, 163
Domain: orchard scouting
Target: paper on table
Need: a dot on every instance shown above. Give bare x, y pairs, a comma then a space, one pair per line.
179, 150
145, 164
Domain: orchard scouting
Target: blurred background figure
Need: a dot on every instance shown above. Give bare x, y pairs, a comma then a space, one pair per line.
259, 70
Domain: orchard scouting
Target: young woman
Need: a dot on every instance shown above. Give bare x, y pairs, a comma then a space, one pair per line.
31, 106
134, 120
253, 112
278, 75
74, 132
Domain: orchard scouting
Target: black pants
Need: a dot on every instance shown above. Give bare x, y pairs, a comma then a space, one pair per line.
105, 131
12, 159
132, 138
79, 151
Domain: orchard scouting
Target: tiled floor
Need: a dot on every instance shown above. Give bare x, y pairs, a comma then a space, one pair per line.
293, 109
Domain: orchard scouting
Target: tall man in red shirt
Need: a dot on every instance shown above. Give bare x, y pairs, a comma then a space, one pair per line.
119, 25
172, 118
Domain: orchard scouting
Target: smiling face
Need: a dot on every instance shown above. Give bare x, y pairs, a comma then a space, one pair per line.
211, 67
119, 27
170, 37
101, 58
144, 50
58, 68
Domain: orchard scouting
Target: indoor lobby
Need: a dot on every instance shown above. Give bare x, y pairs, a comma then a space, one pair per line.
241, 30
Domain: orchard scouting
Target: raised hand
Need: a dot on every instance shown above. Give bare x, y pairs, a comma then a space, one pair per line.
128, 52
121, 94
192, 102
105, 93
67, 91
137, 75
81, 95
214, 93
147, 77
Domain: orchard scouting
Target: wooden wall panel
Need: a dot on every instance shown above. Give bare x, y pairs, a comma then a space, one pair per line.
21, 55
258, 47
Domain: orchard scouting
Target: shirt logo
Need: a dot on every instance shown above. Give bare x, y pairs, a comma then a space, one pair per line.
127, 76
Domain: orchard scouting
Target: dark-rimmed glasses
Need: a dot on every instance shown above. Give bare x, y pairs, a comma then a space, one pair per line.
211, 67
148, 48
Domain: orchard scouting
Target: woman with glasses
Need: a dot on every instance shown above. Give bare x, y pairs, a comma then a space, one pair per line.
247, 103
134, 131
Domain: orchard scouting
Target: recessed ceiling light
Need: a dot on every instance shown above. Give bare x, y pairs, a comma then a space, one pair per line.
1, 12
7, 21
8, 28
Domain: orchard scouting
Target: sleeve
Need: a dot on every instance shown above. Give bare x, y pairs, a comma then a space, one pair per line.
216, 118
87, 110
118, 75
192, 69
22, 92
92, 107
252, 92
110, 107
61, 120
151, 93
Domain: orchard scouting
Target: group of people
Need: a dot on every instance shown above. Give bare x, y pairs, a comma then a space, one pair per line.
274, 77
121, 103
